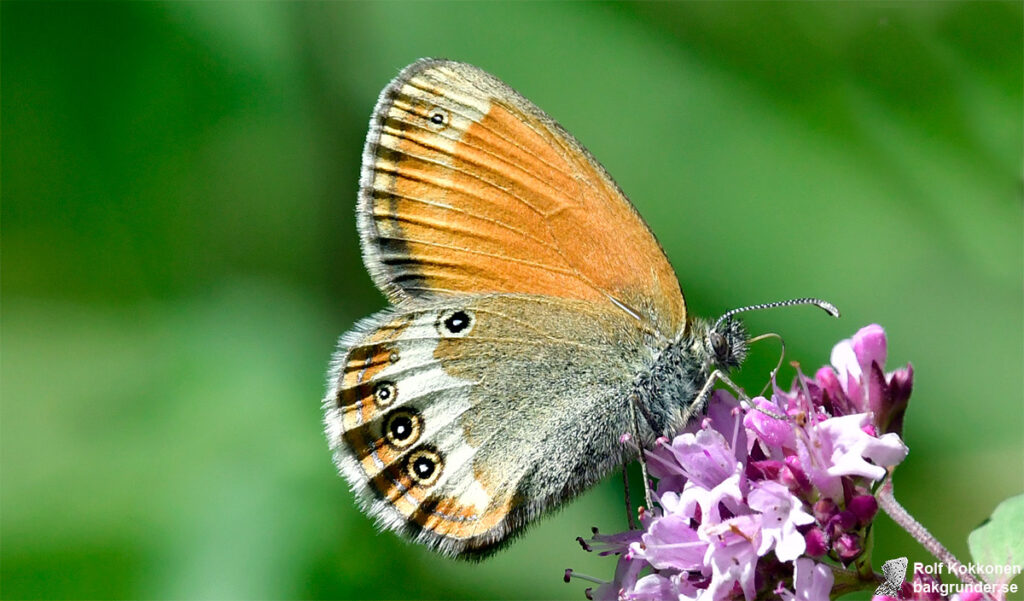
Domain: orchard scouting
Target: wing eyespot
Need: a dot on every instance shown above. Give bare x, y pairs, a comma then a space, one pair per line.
385, 393
424, 466
455, 323
403, 428
438, 118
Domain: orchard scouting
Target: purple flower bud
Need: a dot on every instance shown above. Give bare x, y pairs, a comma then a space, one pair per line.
864, 507
796, 475
840, 523
825, 510
848, 546
833, 398
900, 384
877, 389
816, 543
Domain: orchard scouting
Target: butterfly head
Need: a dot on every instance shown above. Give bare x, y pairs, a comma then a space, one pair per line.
725, 343
688, 364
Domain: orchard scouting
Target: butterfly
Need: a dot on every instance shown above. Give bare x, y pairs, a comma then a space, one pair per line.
534, 318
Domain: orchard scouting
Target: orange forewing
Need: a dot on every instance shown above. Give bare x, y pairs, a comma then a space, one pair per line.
497, 197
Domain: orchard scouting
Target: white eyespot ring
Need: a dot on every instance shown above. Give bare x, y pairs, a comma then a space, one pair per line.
424, 467
402, 428
385, 393
455, 323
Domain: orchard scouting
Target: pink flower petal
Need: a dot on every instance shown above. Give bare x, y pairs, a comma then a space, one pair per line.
869, 345
812, 581
773, 431
670, 543
781, 513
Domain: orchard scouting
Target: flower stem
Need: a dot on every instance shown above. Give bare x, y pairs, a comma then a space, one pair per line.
887, 501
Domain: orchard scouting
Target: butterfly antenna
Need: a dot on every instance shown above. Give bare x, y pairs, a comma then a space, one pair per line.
817, 302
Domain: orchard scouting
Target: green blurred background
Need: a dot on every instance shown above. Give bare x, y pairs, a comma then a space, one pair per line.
180, 255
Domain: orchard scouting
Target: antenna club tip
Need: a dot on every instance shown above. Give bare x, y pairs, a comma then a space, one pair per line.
830, 308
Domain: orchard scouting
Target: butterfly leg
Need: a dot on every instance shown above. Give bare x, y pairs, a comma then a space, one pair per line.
643, 456
705, 392
717, 375
629, 503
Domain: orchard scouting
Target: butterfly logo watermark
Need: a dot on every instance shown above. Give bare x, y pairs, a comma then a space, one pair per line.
895, 572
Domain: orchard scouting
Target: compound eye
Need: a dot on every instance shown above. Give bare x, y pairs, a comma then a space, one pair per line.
720, 346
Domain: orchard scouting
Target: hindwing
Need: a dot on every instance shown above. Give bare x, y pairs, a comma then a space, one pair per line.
458, 421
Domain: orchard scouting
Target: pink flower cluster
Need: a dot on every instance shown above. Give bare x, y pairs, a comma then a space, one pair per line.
924, 587
770, 499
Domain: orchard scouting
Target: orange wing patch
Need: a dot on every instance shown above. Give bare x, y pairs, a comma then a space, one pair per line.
374, 455
469, 188
446, 516
395, 486
451, 517
359, 397
457, 517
